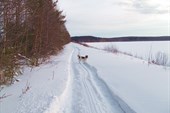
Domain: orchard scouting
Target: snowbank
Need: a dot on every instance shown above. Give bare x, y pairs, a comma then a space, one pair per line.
45, 85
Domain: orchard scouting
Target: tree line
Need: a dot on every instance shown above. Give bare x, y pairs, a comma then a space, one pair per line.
30, 30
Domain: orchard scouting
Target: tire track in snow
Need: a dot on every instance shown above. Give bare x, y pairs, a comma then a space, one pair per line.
91, 100
86, 92
91, 94
91, 97
102, 87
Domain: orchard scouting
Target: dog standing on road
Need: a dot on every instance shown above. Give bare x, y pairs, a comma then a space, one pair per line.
82, 58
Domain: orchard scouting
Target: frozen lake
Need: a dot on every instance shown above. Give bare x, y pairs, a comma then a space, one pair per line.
140, 49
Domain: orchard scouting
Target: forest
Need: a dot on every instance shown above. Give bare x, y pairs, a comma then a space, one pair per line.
30, 31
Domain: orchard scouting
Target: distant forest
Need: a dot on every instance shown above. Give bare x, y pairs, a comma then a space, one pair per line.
119, 39
31, 30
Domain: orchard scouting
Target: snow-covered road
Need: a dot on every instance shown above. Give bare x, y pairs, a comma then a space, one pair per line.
90, 93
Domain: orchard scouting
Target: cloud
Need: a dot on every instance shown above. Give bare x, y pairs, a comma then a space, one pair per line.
144, 6
116, 17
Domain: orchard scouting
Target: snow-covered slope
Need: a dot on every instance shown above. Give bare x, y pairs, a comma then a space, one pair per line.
105, 83
45, 84
140, 49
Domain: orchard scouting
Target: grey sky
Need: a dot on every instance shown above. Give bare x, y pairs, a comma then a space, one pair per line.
109, 18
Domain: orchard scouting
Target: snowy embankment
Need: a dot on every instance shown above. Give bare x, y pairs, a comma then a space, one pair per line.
140, 49
39, 87
106, 83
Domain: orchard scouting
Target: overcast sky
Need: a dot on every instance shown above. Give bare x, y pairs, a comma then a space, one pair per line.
111, 18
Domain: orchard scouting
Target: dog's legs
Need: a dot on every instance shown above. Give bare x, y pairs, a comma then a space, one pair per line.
78, 58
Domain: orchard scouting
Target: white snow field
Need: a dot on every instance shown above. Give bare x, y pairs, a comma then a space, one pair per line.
105, 83
141, 49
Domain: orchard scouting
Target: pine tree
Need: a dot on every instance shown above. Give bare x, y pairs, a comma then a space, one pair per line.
31, 29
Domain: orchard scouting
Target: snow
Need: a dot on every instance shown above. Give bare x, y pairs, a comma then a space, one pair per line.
144, 88
105, 83
141, 49
47, 83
